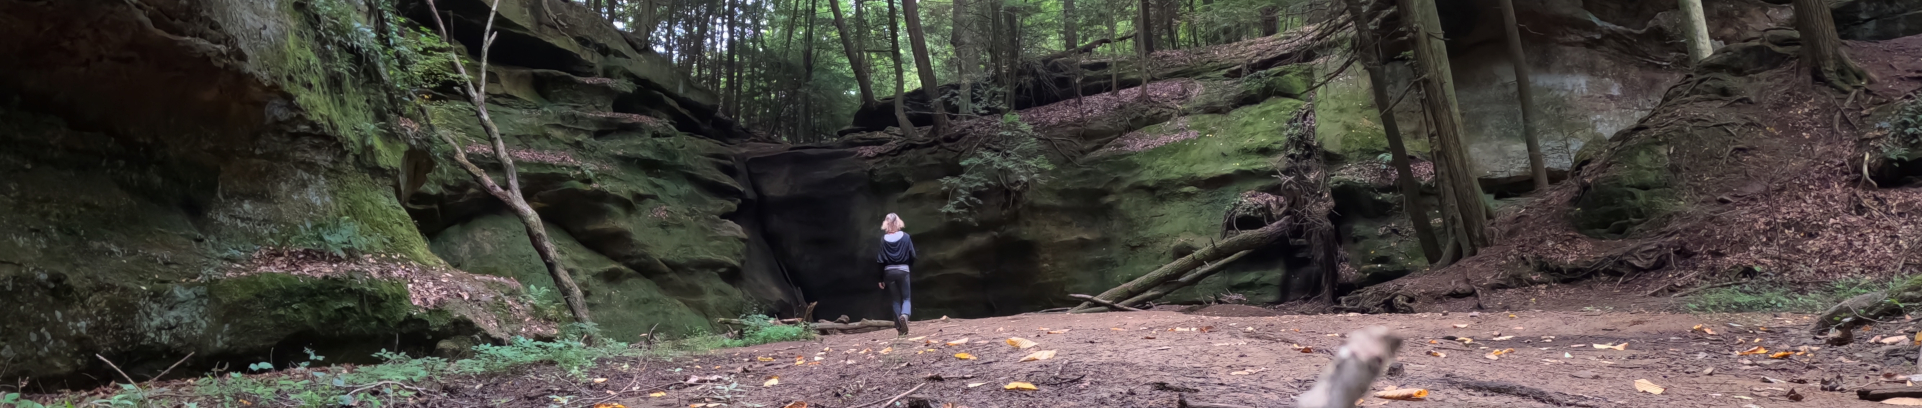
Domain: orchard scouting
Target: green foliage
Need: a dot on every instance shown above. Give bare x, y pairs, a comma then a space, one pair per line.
763, 329
571, 352
1012, 162
1776, 297
546, 303
340, 236
1905, 133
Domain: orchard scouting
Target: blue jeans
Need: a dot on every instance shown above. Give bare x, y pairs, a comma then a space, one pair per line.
898, 291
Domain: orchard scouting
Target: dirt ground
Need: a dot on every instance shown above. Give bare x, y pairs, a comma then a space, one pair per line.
1151, 359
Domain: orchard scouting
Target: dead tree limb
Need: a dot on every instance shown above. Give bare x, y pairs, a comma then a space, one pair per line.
1368, 353
1110, 305
1247, 240
1186, 280
511, 195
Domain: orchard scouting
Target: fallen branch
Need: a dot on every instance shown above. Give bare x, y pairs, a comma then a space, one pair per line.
891, 400
123, 374
1183, 402
863, 324
163, 373
1187, 280
1247, 240
1887, 393
1547, 397
1368, 353
1110, 305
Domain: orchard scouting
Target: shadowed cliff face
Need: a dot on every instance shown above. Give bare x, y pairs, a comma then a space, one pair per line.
226, 178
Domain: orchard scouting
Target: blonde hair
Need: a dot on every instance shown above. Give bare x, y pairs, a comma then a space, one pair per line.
892, 224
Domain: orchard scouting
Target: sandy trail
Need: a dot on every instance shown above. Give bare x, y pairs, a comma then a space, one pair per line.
1135, 360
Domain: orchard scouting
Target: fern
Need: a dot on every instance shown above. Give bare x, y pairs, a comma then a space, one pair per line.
1012, 161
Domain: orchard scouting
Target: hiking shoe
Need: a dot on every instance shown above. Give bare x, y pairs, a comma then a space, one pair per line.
901, 324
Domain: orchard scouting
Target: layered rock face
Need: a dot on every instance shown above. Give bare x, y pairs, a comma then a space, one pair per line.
227, 178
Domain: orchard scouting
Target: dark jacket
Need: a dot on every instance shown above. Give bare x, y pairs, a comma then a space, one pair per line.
896, 253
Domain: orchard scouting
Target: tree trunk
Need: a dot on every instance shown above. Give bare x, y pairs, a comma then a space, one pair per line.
1144, 28
807, 75
1695, 29
1270, 21
1461, 195
1822, 48
900, 84
1070, 32
855, 61
536, 232
924, 64
965, 42
1011, 74
1247, 240
1537, 166
1369, 51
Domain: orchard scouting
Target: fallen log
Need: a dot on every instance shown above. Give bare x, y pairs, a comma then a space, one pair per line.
1368, 353
1186, 280
1887, 393
1247, 240
1110, 305
823, 325
863, 324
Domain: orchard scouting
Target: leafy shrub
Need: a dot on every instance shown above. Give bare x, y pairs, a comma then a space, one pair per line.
763, 329
1011, 161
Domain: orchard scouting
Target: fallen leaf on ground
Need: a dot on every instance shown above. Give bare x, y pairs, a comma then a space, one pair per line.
1753, 351
887, 350
962, 341
1782, 354
600, 380
1438, 354
964, 356
1020, 386
1405, 394
796, 404
764, 358
1501, 338
1704, 329
1039, 355
1497, 354
614, 405
1020, 343
771, 381
1461, 326
1614, 347
1248, 371
1889, 340
657, 394
1059, 331
972, 385
917, 338
1648, 387
1903, 401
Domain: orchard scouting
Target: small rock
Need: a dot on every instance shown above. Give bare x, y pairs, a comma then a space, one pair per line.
1474, 314
1396, 370
1585, 374
1708, 371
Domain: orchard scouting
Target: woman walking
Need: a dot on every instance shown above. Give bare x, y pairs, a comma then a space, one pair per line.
897, 254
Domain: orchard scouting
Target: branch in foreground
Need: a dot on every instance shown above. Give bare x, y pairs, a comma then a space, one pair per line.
1368, 353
